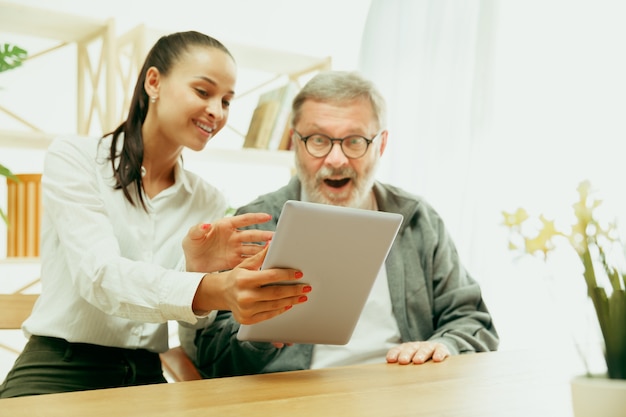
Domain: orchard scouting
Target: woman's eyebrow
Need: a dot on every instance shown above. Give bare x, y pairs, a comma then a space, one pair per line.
211, 81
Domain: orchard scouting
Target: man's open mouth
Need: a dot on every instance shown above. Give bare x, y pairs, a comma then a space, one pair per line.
337, 183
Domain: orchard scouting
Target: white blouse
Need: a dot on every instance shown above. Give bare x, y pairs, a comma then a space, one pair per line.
112, 273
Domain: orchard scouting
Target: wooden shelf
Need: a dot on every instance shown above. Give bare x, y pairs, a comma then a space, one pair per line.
25, 140
33, 21
280, 62
243, 156
40, 141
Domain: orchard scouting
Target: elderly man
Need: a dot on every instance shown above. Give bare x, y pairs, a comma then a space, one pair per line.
424, 304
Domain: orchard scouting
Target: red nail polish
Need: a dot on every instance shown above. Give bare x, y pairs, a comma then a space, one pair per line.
307, 288
288, 307
205, 226
302, 299
299, 274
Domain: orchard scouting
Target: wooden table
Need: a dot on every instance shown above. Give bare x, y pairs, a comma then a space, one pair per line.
499, 384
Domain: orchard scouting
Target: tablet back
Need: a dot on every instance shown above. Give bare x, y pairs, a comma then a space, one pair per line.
340, 251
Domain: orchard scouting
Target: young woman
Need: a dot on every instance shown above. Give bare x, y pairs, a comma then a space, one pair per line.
116, 210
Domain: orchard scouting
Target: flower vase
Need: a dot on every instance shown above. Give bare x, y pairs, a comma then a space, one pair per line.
598, 396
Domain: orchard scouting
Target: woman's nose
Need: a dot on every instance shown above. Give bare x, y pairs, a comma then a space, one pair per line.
214, 108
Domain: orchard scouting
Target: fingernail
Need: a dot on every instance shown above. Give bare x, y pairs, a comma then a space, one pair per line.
288, 307
307, 288
299, 274
205, 226
302, 299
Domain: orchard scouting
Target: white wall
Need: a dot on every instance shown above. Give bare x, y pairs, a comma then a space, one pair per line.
321, 27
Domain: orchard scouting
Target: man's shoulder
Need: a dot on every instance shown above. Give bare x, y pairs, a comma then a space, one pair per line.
398, 200
392, 198
264, 203
272, 202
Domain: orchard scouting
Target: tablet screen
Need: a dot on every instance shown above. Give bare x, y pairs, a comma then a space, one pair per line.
340, 250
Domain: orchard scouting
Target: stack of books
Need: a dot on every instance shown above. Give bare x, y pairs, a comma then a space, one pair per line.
269, 126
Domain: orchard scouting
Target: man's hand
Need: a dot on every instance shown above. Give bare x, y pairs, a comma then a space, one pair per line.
221, 245
417, 353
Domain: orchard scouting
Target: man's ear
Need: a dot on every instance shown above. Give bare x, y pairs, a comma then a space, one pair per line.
151, 84
383, 141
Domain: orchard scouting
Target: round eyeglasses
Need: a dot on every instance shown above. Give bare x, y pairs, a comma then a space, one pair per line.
319, 145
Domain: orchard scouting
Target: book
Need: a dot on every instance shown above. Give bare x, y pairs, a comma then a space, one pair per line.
285, 95
261, 125
269, 126
285, 140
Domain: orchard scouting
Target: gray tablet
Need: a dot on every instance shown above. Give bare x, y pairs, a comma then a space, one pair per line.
340, 250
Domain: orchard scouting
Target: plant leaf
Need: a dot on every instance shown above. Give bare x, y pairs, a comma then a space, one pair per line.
11, 56
615, 339
6, 172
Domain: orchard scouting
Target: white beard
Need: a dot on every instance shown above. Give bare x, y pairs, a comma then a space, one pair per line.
360, 196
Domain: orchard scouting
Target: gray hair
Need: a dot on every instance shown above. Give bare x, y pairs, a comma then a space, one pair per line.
340, 87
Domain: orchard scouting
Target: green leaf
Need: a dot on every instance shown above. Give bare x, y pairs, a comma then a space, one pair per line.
601, 304
611, 272
11, 56
589, 273
6, 172
615, 339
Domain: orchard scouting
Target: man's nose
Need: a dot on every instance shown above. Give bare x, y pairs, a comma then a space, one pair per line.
336, 157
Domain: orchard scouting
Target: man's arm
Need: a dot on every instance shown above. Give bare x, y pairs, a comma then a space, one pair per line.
218, 353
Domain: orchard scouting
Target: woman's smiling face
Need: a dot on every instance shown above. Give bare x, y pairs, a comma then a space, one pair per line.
194, 97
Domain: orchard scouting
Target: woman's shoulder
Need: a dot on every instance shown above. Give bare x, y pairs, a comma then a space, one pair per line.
73, 151
78, 143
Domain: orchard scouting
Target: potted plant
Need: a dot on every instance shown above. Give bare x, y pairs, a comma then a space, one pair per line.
11, 56
596, 243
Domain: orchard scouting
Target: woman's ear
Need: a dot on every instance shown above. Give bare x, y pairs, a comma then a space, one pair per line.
151, 84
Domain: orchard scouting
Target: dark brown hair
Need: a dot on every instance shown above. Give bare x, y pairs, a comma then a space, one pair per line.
165, 53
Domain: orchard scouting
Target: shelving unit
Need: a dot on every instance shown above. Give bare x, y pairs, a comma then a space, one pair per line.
95, 54
107, 67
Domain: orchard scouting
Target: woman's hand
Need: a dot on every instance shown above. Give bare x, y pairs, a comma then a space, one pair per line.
248, 292
221, 245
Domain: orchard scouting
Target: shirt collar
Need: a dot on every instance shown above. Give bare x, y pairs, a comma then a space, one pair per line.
180, 175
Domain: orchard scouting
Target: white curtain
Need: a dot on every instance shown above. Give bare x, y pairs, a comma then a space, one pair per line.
499, 104
432, 61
